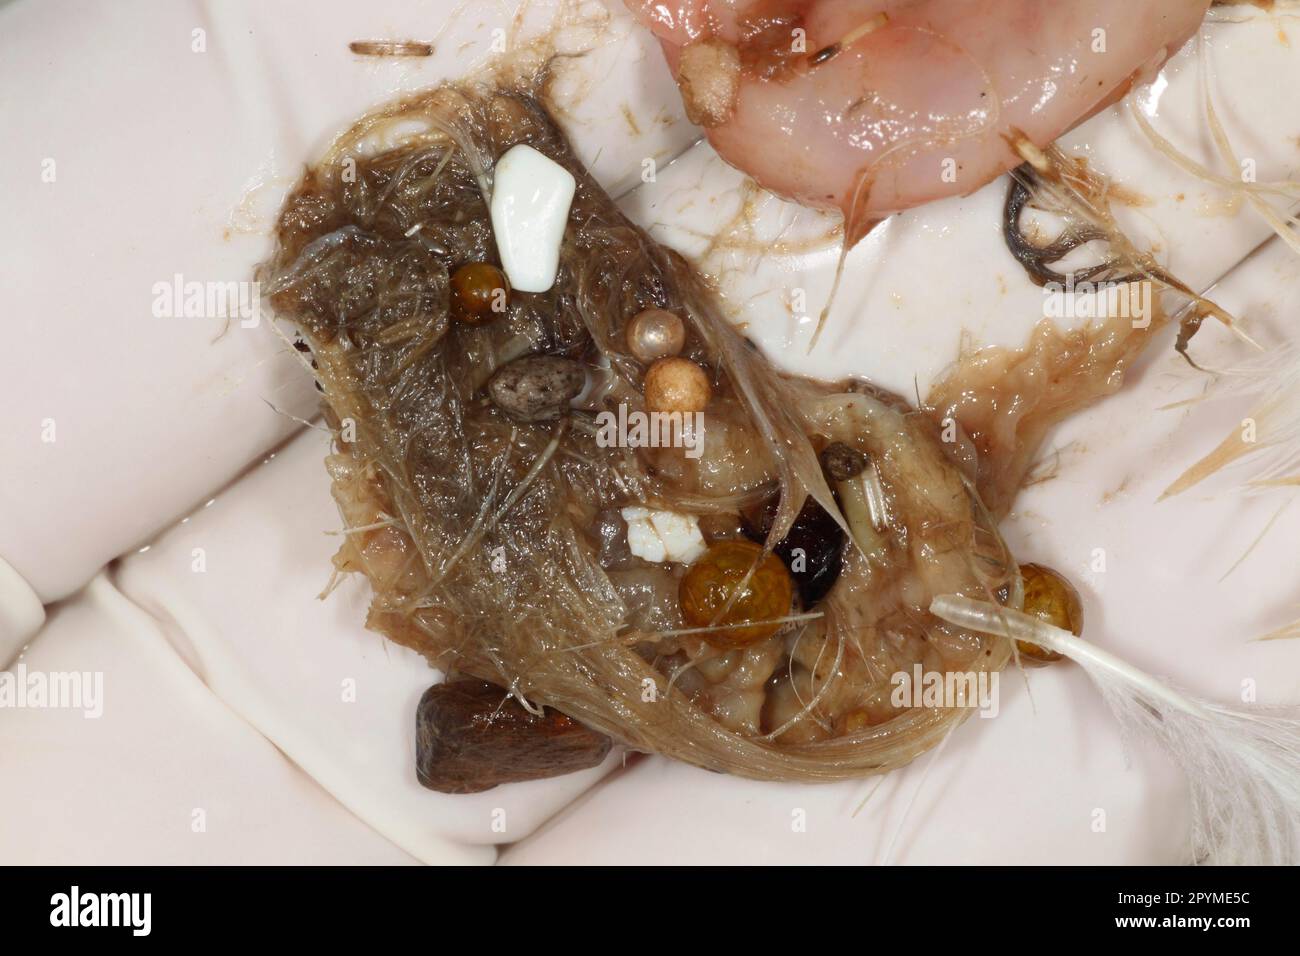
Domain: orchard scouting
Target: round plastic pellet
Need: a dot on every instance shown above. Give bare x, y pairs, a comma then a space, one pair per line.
714, 578
1051, 598
479, 292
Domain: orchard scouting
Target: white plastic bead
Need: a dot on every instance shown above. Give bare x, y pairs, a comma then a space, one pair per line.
531, 195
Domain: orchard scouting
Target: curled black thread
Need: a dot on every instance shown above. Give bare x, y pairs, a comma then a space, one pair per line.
1037, 259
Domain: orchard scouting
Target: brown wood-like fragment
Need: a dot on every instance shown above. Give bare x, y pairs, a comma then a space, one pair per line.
471, 736
391, 48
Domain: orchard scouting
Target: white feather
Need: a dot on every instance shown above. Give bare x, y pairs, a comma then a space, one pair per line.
1272, 445
1242, 767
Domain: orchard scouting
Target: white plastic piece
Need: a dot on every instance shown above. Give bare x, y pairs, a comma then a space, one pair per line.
531, 195
21, 613
663, 535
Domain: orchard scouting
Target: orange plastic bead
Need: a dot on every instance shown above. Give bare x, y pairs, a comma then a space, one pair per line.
479, 291
711, 581
676, 385
1051, 598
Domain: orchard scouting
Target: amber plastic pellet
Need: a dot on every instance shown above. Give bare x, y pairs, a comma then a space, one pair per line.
479, 291
710, 582
1051, 598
